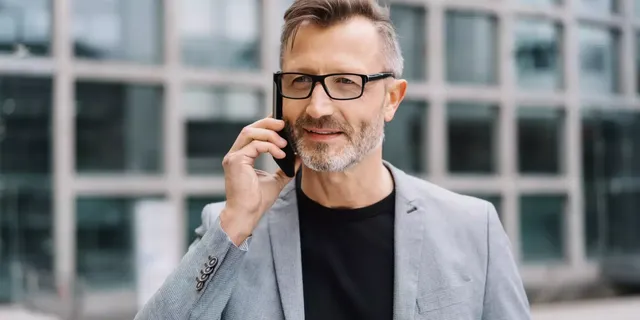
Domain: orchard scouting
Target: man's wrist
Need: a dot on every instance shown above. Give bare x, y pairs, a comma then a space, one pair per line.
237, 227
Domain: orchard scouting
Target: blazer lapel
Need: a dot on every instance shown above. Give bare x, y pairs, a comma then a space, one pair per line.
409, 233
284, 231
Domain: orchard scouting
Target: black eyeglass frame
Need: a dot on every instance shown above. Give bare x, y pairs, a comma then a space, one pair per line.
277, 78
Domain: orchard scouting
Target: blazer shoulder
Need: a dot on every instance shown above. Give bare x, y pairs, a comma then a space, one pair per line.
450, 203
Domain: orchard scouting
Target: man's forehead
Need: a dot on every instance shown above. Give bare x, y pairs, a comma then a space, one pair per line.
353, 44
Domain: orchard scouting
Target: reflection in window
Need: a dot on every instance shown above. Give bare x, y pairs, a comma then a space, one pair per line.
472, 48
538, 55
542, 227
599, 60
622, 204
118, 128
472, 138
120, 30
213, 36
106, 242
25, 27
215, 117
194, 213
410, 23
611, 172
540, 136
404, 144
26, 208
598, 7
25, 127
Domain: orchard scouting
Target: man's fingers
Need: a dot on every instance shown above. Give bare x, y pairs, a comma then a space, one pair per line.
268, 123
251, 151
250, 134
256, 148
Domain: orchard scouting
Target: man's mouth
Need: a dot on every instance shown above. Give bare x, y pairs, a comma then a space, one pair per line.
322, 131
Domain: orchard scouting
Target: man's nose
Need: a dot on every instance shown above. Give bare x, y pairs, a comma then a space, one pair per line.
320, 104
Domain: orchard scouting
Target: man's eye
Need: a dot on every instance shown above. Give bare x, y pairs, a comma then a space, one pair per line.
302, 79
344, 81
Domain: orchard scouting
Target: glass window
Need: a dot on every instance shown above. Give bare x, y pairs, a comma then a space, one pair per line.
106, 242
215, 117
623, 223
598, 7
599, 60
472, 48
26, 209
25, 27
121, 30
542, 227
194, 213
538, 55
611, 173
118, 127
540, 137
212, 35
472, 137
638, 58
410, 24
404, 143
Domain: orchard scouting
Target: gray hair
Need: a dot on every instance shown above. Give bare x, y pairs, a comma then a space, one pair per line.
326, 13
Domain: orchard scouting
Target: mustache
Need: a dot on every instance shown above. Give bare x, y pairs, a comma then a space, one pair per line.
326, 122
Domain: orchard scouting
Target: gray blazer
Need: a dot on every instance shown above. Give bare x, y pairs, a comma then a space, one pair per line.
453, 262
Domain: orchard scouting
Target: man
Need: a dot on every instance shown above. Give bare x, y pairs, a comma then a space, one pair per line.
351, 236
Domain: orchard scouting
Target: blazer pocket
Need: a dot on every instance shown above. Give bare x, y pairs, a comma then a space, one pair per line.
443, 298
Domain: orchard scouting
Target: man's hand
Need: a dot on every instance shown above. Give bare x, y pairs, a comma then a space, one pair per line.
250, 192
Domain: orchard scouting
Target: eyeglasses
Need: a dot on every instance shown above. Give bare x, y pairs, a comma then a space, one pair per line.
338, 86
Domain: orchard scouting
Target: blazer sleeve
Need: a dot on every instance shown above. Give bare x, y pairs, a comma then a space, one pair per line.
505, 297
204, 279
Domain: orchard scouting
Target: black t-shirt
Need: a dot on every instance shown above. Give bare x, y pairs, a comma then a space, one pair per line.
347, 260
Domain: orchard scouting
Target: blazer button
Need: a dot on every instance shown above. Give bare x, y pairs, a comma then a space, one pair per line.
199, 284
213, 261
208, 270
203, 277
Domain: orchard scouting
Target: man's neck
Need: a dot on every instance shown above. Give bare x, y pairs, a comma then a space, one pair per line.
361, 185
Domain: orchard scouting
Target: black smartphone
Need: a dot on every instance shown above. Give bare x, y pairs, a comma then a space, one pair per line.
288, 163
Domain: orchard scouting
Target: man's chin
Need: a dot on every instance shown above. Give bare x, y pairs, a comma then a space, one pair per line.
325, 162
311, 152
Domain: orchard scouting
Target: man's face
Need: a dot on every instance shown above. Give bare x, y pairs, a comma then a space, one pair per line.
332, 135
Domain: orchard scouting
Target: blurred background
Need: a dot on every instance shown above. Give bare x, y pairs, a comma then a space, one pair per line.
115, 116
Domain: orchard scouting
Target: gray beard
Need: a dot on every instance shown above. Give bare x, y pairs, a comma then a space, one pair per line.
361, 144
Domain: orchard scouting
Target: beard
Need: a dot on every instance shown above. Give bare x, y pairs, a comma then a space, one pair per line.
326, 157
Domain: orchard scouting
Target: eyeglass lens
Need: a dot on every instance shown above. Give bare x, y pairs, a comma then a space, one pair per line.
339, 86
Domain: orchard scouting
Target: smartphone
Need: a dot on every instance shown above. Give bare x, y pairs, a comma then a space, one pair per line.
288, 163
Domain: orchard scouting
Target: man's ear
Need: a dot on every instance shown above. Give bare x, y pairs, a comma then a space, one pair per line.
395, 94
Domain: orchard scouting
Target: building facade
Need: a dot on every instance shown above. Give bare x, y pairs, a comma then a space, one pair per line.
530, 104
